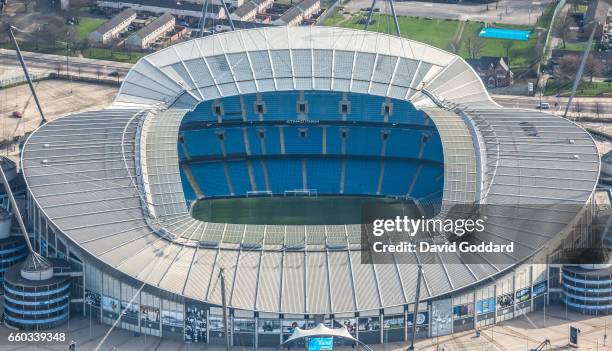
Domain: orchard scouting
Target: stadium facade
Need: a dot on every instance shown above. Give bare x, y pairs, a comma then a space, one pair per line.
274, 111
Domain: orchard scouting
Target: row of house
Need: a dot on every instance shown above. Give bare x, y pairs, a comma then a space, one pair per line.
144, 37
249, 11
188, 11
298, 13
113, 27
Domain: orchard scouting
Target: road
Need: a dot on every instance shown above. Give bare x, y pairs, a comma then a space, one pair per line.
51, 63
581, 106
508, 11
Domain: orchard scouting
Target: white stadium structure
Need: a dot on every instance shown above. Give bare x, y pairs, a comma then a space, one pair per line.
111, 190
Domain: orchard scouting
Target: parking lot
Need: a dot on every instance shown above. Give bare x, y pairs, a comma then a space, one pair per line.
57, 97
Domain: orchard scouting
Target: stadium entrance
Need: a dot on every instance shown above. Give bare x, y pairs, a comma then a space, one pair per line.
289, 210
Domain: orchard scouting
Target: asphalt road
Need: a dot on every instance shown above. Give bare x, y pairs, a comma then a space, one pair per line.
582, 105
76, 65
507, 11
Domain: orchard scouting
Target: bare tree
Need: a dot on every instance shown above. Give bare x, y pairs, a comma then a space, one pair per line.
507, 45
454, 46
561, 28
26, 5
594, 67
474, 44
568, 66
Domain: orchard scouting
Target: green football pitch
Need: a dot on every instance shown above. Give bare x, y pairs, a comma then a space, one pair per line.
314, 210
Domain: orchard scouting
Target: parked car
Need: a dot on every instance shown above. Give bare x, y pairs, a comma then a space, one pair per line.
543, 106
17, 114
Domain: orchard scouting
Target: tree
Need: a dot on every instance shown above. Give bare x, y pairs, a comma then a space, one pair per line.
507, 45
568, 66
593, 67
474, 44
26, 5
454, 46
561, 28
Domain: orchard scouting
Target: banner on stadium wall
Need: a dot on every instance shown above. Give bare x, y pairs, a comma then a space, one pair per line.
441, 317
485, 306
92, 298
349, 323
269, 326
110, 304
290, 325
422, 319
393, 322
461, 311
149, 316
196, 323
506, 300
540, 288
369, 324
523, 295
172, 318
131, 309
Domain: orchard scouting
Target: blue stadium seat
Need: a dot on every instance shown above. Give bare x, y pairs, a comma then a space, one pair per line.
254, 141
272, 140
202, 142
433, 149
202, 112
361, 176
187, 189
405, 112
364, 141
334, 141
324, 175
403, 142
430, 180
231, 108
310, 143
249, 106
258, 174
323, 106
239, 176
398, 176
280, 105
211, 178
234, 142
365, 108
285, 175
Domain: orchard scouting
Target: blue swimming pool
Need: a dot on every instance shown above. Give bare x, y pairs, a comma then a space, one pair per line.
504, 33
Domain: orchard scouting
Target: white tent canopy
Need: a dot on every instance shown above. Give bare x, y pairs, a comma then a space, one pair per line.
320, 330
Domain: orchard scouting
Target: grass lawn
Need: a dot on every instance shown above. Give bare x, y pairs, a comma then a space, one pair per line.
106, 54
577, 46
88, 25
333, 20
564, 87
436, 32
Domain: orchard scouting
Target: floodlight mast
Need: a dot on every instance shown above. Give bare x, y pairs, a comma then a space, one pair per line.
43, 120
578, 77
203, 20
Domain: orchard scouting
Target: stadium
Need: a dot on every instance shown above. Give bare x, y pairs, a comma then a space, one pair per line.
253, 151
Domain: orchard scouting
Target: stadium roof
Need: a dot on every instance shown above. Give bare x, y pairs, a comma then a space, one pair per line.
110, 180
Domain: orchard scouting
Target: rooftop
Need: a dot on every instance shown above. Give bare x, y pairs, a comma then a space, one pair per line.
115, 21
155, 25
